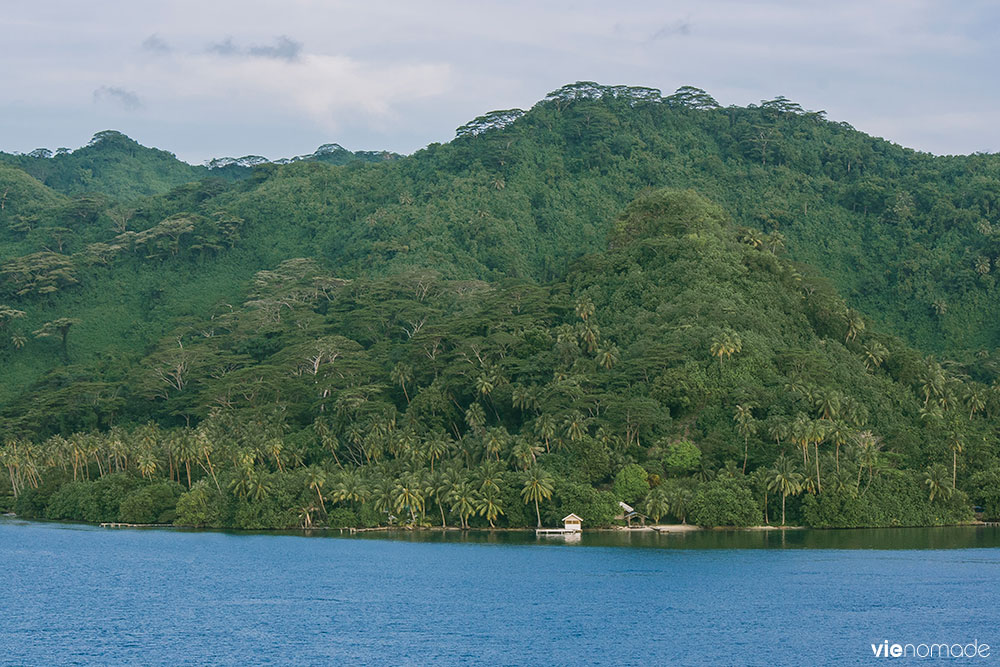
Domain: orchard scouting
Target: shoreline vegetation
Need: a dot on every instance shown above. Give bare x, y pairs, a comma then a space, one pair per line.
601, 300
650, 528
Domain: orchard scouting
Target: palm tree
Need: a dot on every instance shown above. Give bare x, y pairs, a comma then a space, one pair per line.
875, 354
656, 503
608, 357
678, 498
408, 495
185, 449
494, 441
490, 505
838, 434
545, 428
463, 501
435, 447
538, 486
975, 400
800, 431
956, 442
576, 425
869, 445
855, 324
526, 453
401, 374
746, 425
258, 486
818, 429
726, 345
784, 479
348, 487
936, 479
315, 479
383, 495
475, 417
439, 487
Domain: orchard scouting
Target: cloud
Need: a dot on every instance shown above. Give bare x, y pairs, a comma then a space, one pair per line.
284, 48
154, 44
682, 28
120, 96
224, 48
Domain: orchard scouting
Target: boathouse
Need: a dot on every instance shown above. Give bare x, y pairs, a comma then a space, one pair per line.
572, 524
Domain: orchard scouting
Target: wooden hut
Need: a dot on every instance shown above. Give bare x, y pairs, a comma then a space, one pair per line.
572, 524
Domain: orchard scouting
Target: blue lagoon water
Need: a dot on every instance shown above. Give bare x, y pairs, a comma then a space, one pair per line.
83, 595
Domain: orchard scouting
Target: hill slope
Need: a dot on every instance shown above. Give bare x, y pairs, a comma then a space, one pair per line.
682, 351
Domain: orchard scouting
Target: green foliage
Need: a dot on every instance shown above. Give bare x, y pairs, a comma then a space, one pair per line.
630, 484
895, 498
682, 457
202, 506
509, 325
154, 503
724, 502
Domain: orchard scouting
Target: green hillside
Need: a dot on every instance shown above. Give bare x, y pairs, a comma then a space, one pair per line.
496, 308
120, 168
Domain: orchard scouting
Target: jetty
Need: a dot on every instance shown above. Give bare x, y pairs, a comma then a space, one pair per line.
111, 524
571, 524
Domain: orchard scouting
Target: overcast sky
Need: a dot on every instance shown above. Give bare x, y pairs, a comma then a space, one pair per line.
212, 78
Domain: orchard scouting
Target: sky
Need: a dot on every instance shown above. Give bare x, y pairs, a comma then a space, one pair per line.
214, 78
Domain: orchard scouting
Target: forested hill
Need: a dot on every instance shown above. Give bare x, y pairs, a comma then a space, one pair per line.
501, 290
118, 167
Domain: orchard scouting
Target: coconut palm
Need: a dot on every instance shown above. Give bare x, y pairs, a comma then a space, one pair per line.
463, 501
678, 498
784, 479
490, 505
725, 346
936, 479
408, 495
746, 425
538, 486
868, 445
402, 374
315, 479
475, 417
436, 446
545, 428
438, 487
956, 442
656, 503
875, 354
855, 324
525, 453
348, 486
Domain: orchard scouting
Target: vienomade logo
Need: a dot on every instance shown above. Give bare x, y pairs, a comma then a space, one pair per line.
931, 650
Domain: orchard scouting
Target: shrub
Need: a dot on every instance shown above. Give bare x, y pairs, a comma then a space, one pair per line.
155, 503
630, 483
724, 502
202, 506
682, 457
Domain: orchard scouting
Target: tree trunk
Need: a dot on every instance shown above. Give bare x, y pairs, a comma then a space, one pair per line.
819, 485
443, 524
783, 496
538, 513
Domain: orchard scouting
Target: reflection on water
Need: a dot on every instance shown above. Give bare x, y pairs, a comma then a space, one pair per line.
76, 594
942, 537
